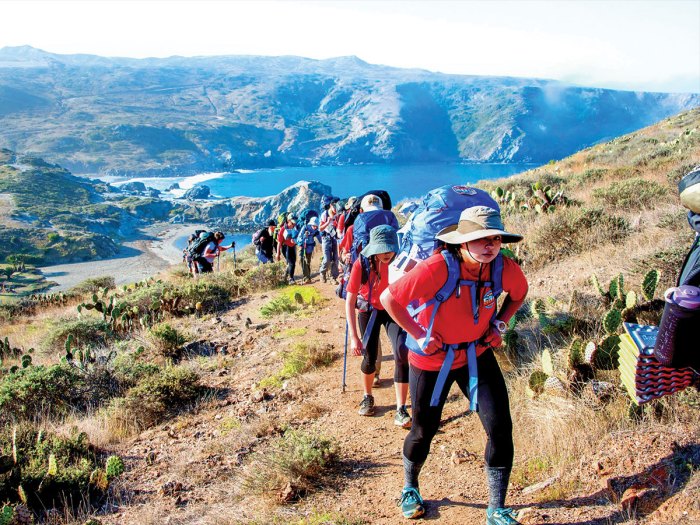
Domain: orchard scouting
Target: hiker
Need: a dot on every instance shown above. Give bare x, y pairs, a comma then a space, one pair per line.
286, 245
306, 242
343, 215
211, 252
474, 242
187, 258
263, 240
369, 277
328, 225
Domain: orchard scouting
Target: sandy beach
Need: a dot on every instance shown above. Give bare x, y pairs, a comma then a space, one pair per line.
152, 252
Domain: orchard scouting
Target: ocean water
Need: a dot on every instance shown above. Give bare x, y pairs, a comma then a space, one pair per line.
401, 182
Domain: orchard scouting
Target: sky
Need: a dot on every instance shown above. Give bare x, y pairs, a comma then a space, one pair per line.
651, 45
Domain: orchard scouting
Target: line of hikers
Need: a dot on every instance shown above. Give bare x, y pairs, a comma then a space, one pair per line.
433, 285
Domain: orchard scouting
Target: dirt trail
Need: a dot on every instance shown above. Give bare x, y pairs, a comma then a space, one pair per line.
188, 470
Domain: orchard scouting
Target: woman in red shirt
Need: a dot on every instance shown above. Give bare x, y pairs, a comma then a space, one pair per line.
474, 242
369, 277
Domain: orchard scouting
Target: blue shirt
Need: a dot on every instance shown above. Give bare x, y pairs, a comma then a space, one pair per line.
306, 238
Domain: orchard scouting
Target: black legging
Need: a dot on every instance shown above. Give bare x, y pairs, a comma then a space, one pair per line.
290, 255
494, 411
397, 336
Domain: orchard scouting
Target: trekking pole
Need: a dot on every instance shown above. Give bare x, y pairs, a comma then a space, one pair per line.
218, 261
234, 257
345, 356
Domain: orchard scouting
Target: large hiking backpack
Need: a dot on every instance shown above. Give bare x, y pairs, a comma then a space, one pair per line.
439, 208
200, 244
363, 225
306, 215
256, 239
689, 188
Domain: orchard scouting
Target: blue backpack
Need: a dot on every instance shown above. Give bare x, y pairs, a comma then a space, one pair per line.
439, 208
364, 223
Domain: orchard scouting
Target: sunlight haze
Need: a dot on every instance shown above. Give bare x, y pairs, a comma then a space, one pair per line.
651, 46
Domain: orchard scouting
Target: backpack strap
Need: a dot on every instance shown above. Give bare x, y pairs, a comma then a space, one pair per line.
364, 262
452, 285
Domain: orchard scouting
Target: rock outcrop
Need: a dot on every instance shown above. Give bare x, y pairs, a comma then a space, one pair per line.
197, 193
249, 213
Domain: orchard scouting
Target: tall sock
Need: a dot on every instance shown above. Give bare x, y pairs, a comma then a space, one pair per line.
497, 480
410, 473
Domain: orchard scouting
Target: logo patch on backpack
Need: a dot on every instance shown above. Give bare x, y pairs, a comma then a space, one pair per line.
464, 190
489, 299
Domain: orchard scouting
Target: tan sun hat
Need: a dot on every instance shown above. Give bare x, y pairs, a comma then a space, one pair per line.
476, 223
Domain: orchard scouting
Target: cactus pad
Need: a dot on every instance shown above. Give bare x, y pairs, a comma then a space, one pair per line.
537, 307
536, 381
589, 352
575, 354
649, 284
631, 300
606, 355
597, 286
612, 320
547, 364
114, 467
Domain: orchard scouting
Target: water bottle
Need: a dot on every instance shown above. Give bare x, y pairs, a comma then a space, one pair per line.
679, 332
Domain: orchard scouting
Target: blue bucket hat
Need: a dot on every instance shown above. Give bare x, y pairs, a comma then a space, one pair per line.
382, 239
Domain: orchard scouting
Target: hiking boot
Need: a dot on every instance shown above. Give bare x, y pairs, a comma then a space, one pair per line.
411, 503
402, 419
367, 406
500, 516
324, 278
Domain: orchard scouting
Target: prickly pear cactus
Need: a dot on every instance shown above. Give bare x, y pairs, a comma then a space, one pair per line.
649, 284
575, 353
114, 467
589, 352
606, 354
538, 307
630, 300
612, 321
536, 381
547, 364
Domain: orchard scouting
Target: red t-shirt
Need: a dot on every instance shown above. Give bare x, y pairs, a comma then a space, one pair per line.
346, 244
454, 322
378, 284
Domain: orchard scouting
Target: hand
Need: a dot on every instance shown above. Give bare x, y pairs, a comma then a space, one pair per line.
356, 346
434, 344
492, 338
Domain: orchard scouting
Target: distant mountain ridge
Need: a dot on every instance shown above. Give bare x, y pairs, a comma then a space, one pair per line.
178, 115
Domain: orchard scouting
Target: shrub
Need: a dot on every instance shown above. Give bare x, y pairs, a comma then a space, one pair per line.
129, 371
631, 194
265, 277
86, 332
167, 340
676, 174
295, 465
93, 285
49, 470
278, 306
153, 399
572, 231
53, 391
302, 358
212, 296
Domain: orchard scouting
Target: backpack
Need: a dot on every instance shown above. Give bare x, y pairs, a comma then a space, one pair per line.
439, 208
306, 215
256, 237
364, 223
200, 244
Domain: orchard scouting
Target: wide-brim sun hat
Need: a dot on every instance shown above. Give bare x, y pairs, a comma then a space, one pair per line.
382, 239
370, 203
476, 223
313, 221
689, 189
350, 202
